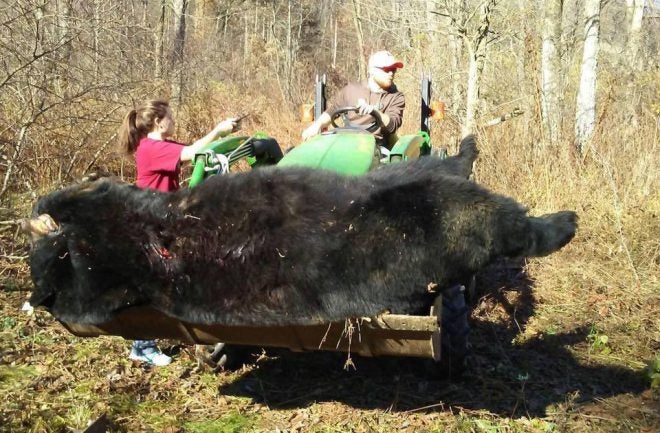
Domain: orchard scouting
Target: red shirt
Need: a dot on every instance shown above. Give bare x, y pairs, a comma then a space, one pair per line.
158, 164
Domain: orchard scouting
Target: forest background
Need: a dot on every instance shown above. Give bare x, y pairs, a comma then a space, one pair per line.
577, 83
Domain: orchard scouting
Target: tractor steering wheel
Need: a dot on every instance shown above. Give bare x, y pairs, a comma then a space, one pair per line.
348, 125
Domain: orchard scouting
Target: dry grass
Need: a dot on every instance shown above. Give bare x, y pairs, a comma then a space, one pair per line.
558, 346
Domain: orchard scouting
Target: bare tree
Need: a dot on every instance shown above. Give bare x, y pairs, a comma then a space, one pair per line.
54, 50
636, 8
476, 46
550, 69
65, 13
180, 7
585, 109
457, 16
160, 43
357, 20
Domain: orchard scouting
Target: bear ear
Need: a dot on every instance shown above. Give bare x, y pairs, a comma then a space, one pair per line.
550, 233
38, 227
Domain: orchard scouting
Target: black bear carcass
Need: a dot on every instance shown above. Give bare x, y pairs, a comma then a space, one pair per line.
292, 257
276, 247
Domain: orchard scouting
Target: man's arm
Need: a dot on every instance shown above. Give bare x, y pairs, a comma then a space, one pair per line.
324, 120
364, 109
316, 126
394, 114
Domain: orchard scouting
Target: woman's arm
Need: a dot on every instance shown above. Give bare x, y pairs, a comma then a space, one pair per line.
221, 129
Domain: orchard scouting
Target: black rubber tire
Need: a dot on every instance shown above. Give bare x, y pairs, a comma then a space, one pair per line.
222, 356
455, 330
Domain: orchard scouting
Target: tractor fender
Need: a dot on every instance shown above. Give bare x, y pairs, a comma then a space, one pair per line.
410, 147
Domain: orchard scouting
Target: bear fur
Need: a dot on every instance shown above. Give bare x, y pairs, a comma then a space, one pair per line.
275, 246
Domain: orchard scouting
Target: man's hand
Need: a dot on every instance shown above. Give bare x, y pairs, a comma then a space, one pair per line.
364, 108
317, 126
311, 130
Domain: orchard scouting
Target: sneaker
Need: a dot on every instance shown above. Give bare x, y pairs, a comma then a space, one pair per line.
150, 355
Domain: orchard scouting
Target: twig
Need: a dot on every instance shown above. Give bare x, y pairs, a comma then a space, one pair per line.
601, 418
83, 141
98, 152
430, 406
616, 201
326, 335
503, 118
348, 331
4, 256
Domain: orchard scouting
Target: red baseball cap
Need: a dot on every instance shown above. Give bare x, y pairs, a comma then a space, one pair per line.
385, 61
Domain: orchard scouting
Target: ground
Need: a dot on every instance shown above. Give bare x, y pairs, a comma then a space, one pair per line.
529, 381
560, 344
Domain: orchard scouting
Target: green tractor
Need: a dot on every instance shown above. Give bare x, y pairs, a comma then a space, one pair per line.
441, 335
347, 148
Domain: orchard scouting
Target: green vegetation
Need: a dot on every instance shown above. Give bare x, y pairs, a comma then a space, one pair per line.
233, 422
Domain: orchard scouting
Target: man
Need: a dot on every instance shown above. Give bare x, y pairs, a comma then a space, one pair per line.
377, 94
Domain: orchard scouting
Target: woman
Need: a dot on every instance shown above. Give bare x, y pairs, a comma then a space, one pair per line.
146, 133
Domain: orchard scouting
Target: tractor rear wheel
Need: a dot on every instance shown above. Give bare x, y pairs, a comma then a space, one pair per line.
454, 330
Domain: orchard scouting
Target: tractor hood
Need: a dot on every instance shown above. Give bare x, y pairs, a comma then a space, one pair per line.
344, 153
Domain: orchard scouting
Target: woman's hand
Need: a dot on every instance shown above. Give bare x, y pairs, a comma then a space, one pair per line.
223, 128
227, 126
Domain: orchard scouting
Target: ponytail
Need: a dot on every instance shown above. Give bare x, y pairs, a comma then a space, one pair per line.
138, 123
128, 134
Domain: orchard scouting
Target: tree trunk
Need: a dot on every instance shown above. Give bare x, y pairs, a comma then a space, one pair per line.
20, 140
97, 38
477, 50
456, 50
246, 46
524, 50
334, 48
362, 64
430, 19
634, 34
160, 33
289, 51
433, 31
472, 96
630, 9
550, 70
40, 29
180, 7
585, 109
145, 13
65, 19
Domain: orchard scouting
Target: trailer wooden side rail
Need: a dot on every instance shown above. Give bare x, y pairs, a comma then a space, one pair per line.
388, 334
